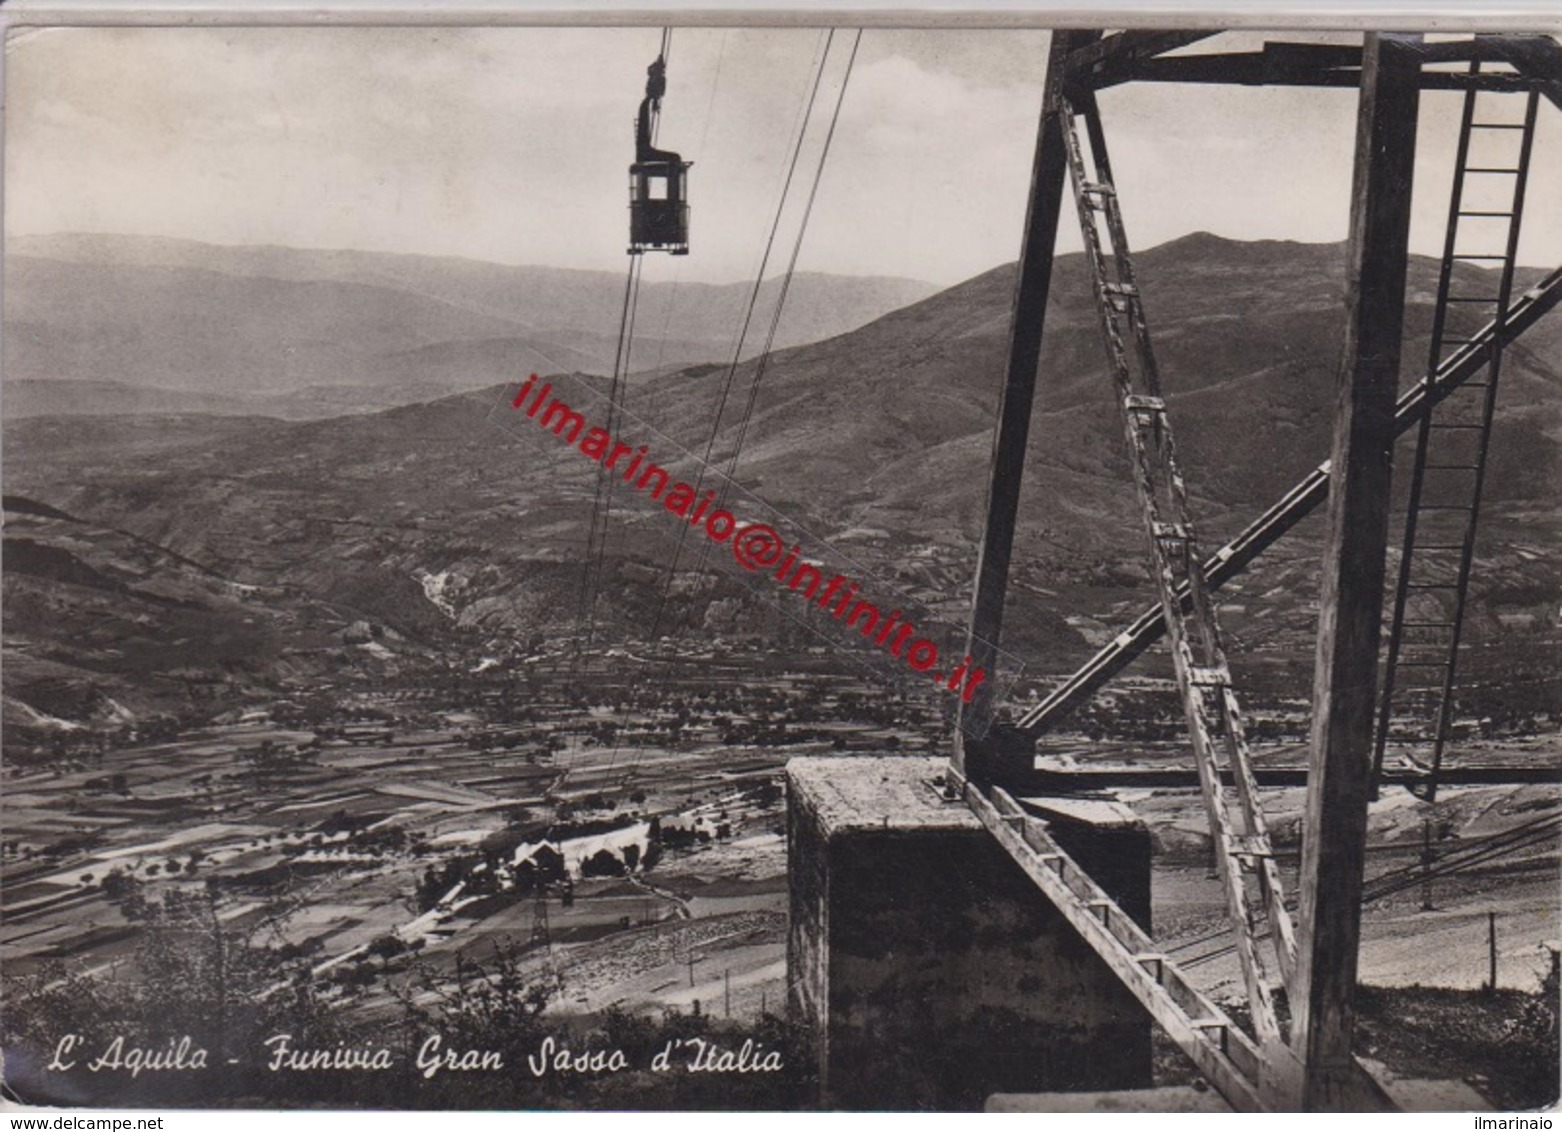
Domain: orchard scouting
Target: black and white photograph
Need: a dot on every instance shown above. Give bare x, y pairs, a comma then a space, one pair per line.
703, 563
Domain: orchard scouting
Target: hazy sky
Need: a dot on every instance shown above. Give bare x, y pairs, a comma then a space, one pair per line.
511, 144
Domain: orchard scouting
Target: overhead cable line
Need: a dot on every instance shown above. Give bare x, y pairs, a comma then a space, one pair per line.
748, 316
791, 267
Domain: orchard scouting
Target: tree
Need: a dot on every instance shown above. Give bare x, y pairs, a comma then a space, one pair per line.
189, 974
495, 1005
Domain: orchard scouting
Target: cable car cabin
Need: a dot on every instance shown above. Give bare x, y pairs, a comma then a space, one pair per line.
658, 180
659, 207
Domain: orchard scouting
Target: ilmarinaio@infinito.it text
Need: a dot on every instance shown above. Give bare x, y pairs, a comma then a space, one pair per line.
754, 546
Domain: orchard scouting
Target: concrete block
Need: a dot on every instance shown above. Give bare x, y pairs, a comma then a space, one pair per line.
931, 971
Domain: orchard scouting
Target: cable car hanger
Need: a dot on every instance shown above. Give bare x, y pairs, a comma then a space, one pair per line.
658, 179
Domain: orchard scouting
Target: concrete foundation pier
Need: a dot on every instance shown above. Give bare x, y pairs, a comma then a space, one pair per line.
931, 971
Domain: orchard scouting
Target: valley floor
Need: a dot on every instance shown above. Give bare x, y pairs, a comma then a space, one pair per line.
362, 856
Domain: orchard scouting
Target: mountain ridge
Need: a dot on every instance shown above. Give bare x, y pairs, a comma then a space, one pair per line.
886, 428
166, 313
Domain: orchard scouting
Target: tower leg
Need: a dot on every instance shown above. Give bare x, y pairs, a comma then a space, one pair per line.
1351, 596
1019, 387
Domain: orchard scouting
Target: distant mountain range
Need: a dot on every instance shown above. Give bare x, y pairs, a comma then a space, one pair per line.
881, 435
302, 334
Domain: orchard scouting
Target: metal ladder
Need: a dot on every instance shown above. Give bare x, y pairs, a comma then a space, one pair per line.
1203, 677
1452, 442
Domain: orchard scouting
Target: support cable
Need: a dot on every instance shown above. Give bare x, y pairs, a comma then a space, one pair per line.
791, 267
763, 361
672, 299
672, 570
596, 542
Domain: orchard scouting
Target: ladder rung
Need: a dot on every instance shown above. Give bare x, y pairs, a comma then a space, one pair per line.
1423, 664
1496, 125
1213, 1024
1489, 169
1452, 467
1454, 424
1121, 297
1251, 847
1472, 299
1155, 959
1495, 258
1209, 676
1439, 546
1431, 586
1143, 403
1175, 532
1427, 624
1463, 212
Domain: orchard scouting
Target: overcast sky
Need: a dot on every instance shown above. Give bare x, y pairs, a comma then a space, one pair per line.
511, 144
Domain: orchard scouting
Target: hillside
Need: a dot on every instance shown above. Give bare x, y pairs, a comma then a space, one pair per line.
427, 519
289, 331
104, 627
